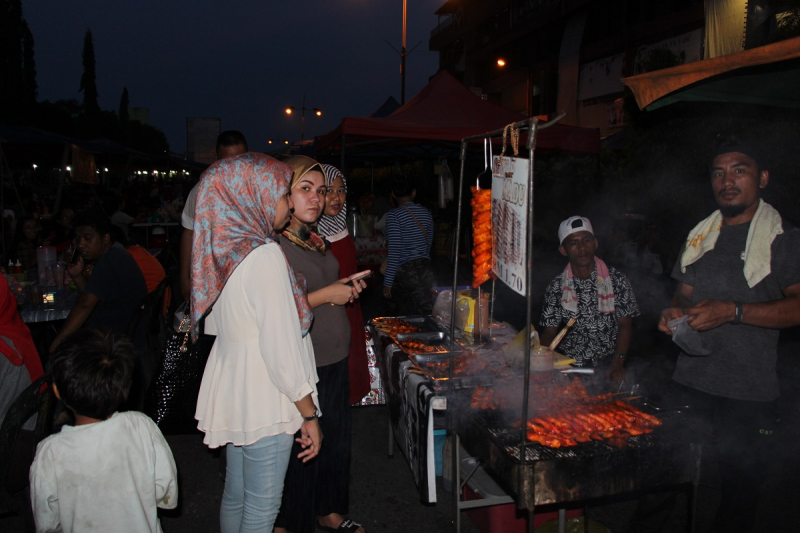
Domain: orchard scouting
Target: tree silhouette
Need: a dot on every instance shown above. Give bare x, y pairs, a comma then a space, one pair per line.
10, 58
124, 103
29, 85
124, 120
88, 78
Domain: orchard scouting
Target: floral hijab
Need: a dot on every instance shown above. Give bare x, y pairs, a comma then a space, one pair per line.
236, 204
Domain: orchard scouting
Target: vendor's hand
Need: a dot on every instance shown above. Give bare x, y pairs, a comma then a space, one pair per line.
710, 314
76, 269
667, 315
387, 292
616, 373
310, 440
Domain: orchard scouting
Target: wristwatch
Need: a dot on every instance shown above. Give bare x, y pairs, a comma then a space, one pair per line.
738, 313
620, 355
312, 417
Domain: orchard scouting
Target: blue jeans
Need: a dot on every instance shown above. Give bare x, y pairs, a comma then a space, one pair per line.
254, 484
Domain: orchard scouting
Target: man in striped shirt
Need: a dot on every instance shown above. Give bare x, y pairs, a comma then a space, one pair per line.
409, 234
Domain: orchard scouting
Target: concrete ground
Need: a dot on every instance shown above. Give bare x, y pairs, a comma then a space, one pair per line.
383, 496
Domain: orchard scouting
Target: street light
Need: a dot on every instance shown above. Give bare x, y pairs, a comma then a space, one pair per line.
289, 110
403, 55
404, 52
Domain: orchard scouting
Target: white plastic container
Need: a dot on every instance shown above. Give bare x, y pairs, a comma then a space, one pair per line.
46, 257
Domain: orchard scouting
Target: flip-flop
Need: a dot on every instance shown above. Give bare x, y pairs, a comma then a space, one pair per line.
347, 526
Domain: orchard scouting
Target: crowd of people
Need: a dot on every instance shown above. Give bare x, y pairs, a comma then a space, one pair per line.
269, 268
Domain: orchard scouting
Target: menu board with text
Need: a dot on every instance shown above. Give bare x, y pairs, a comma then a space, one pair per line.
510, 220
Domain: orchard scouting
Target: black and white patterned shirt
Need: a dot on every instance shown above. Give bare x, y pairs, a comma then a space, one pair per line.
594, 335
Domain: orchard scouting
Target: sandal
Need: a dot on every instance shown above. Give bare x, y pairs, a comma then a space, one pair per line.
347, 526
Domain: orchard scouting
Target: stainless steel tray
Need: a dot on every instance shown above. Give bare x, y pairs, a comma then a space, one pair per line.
435, 339
425, 323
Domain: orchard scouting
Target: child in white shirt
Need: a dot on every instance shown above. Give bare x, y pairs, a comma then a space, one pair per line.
110, 470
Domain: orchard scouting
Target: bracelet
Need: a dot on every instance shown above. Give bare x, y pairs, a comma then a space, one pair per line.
620, 355
739, 311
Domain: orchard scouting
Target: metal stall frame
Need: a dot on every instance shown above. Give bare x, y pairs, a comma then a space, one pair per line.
532, 126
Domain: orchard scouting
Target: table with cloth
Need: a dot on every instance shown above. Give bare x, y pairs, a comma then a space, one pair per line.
412, 399
44, 321
33, 313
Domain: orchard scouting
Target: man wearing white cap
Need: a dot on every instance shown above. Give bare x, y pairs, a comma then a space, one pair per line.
598, 296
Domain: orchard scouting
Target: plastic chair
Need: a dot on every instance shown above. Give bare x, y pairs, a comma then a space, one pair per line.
17, 448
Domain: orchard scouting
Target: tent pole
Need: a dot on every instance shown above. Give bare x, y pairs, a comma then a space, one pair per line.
341, 165
403, 55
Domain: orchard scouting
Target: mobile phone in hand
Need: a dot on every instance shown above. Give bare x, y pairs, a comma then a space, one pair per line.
366, 274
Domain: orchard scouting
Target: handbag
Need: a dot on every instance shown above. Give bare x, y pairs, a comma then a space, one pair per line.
179, 321
171, 399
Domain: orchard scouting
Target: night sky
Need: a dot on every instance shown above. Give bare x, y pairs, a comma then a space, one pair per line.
242, 61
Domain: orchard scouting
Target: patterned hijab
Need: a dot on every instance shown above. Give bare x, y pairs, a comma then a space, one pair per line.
328, 225
236, 203
306, 235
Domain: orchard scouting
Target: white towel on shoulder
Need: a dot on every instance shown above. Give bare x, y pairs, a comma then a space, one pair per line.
765, 226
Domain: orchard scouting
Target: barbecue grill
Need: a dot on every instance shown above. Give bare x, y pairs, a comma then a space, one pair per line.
537, 475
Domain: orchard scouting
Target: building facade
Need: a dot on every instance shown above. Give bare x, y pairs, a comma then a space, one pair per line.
542, 57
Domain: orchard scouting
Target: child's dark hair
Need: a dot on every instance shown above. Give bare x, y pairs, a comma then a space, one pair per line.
93, 370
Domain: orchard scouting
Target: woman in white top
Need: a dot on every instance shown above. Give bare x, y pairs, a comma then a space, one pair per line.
259, 385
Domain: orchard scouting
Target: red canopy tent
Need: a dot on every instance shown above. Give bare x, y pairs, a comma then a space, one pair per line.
439, 116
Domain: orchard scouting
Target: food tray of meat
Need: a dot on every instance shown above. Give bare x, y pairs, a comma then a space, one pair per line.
431, 343
469, 368
404, 324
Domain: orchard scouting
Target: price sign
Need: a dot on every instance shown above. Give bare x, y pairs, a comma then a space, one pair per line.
510, 221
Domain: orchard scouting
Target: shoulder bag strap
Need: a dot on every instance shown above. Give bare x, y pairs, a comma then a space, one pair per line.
424, 233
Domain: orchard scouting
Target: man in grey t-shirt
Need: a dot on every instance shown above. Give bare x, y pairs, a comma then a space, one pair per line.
229, 144
739, 277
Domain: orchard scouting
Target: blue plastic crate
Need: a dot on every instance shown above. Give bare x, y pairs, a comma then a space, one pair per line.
439, 436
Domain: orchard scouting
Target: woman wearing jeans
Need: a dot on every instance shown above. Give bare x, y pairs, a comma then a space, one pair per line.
259, 385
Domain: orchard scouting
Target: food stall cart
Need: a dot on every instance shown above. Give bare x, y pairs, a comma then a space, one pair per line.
542, 436
548, 449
